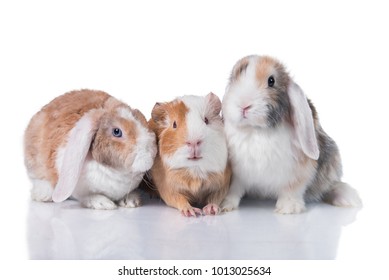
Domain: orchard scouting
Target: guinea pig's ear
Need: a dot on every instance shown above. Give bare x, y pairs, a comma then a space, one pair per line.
303, 121
158, 114
213, 103
76, 150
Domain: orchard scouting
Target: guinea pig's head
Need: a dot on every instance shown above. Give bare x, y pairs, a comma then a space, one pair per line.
123, 140
257, 93
190, 133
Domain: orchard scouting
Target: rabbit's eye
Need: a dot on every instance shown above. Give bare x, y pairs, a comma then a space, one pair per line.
206, 120
117, 132
174, 124
271, 81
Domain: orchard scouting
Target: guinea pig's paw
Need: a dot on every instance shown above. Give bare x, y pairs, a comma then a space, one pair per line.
131, 200
289, 206
99, 202
211, 209
191, 211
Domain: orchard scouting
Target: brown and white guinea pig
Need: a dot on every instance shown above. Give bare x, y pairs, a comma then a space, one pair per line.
277, 146
88, 145
191, 167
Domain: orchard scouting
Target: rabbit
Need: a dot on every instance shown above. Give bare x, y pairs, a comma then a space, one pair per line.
191, 167
277, 147
88, 145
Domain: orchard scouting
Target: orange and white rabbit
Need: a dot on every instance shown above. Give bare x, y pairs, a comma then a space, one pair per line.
91, 146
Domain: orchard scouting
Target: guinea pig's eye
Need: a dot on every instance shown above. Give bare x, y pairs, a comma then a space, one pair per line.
117, 132
206, 120
174, 124
271, 81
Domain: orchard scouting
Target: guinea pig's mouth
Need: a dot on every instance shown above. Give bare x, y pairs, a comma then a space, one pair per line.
194, 158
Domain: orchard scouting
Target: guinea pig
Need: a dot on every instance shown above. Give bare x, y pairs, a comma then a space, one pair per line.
277, 146
88, 145
191, 168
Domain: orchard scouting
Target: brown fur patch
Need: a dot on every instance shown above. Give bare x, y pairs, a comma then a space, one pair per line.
306, 168
239, 68
276, 96
164, 115
113, 151
264, 69
267, 66
180, 189
315, 116
48, 130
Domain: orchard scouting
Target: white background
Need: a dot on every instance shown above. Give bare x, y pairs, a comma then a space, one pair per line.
148, 51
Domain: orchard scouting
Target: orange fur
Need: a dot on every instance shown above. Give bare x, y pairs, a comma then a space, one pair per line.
109, 150
263, 70
48, 131
180, 189
164, 115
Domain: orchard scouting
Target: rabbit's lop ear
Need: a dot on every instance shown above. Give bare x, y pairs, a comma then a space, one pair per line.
303, 121
75, 153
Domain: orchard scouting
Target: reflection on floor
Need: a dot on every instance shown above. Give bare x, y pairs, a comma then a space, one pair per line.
155, 231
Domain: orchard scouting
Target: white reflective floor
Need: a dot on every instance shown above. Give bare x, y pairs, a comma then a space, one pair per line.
155, 231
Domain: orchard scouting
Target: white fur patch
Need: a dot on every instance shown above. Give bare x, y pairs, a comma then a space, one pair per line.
96, 178
243, 93
125, 113
343, 195
42, 190
98, 202
131, 200
145, 149
77, 148
262, 159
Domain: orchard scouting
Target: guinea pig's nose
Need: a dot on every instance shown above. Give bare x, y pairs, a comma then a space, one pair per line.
194, 143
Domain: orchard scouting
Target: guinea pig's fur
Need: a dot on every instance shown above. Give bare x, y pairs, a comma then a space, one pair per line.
191, 167
277, 146
70, 150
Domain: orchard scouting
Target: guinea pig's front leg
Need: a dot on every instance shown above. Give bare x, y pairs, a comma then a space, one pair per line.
97, 201
214, 200
180, 202
211, 209
189, 211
